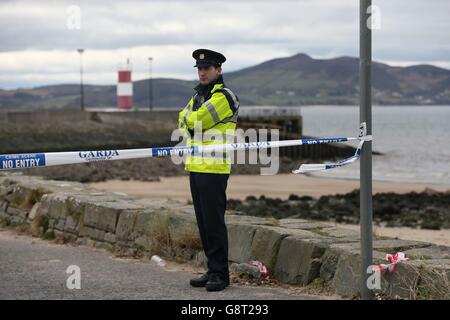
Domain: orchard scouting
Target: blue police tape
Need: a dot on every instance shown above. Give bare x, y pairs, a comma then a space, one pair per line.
169, 151
32, 160
17, 161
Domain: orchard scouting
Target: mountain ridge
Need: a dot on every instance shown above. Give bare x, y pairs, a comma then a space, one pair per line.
295, 80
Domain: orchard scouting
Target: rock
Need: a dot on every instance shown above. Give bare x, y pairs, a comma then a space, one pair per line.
428, 253
299, 260
24, 195
240, 238
17, 212
34, 211
346, 280
303, 224
110, 237
329, 263
71, 225
246, 269
92, 233
341, 233
81, 241
125, 230
51, 223
4, 206
54, 206
189, 210
267, 240
104, 215
70, 237
387, 245
143, 242
347, 271
395, 245
248, 220
183, 230
4, 191
59, 236
143, 221
156, 205
16, 221
60, 224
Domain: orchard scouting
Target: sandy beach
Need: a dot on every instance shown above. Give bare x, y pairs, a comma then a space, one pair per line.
241, 186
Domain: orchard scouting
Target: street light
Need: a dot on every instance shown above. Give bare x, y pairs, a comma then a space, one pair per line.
150, 85
80, 51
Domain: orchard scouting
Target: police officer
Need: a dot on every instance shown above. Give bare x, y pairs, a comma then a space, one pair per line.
212, 111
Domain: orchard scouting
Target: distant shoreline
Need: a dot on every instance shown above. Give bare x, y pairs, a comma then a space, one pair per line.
115, 109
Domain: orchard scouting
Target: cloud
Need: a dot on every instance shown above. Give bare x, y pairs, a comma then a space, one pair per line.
36, 44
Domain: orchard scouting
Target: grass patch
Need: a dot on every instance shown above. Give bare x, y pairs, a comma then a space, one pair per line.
171, 238
39, 226
158, 235
4, 222
22, 229
432, 284
50, 235
423, 294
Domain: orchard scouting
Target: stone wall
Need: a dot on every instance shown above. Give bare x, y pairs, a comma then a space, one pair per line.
295, 251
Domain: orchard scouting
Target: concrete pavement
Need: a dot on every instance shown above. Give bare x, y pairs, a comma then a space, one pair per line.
35, 269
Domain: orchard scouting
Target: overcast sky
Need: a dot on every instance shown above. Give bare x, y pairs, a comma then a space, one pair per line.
38, 39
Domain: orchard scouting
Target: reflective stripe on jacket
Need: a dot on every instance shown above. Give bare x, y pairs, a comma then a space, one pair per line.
215, 117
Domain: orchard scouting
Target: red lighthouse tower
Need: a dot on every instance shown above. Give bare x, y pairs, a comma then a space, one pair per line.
125, 87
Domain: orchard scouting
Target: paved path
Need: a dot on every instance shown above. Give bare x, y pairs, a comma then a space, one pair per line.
35, 269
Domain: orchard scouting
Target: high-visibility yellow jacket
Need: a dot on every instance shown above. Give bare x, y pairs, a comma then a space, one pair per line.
210, 118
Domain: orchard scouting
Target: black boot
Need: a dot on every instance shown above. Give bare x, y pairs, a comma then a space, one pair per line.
217, 283
200, 281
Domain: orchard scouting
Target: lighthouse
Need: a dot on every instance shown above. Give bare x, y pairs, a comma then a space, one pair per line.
124, 87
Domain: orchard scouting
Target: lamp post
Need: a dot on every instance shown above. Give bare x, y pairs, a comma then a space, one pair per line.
80, 51
150, 84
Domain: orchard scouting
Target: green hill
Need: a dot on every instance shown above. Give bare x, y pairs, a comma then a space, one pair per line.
296, 80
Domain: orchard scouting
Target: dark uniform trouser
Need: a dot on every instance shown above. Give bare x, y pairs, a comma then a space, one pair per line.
209, 197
